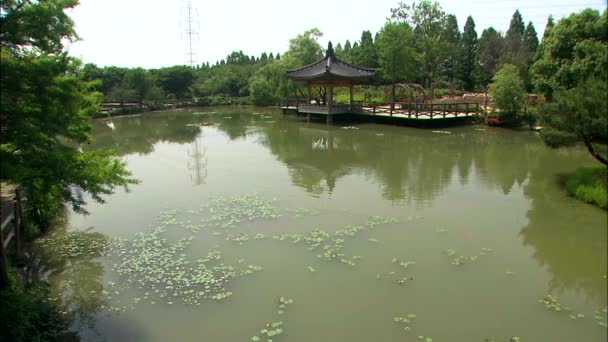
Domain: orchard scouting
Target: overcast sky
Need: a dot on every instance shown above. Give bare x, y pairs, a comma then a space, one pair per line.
150, 33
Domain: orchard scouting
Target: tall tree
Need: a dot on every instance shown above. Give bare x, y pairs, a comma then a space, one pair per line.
304, 48
531, 39
367, 54
451, 39
468, 55
491, 46
396, 53
573, 50
427, 18
514, 39
46, 111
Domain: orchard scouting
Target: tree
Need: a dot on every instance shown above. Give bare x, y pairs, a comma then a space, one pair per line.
366, 54
140, 81
531, 39
427, 18
176, 80
396, 53
46, 110
572, 51
507, 91
579, 114
514, 39
451, 39
491, 45
468, 55
304, 48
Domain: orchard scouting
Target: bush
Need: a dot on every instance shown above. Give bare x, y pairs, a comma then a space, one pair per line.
27, 315
590, 185
556, 138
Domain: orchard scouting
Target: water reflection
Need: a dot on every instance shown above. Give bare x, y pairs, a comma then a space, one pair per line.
567, 237
69, 261
138, 134
409, 166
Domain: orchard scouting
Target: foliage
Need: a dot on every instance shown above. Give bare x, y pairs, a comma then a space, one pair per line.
427, 18
468, 55
573, 50
590, 185
451, 38
366, 54
396, 55
507, 91
27, 315
176, 80
579, 114
46, 109
491, 46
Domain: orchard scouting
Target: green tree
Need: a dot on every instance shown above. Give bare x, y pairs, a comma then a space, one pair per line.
396, 53
468, 55
140, 81
176, 80
579, 114
514, 39
366, 54
451, 39
304, 48
427, 18
46, 109
507, 91
531, 39
572, 51
491, 45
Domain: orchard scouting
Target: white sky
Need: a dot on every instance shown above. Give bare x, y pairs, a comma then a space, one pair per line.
149, 33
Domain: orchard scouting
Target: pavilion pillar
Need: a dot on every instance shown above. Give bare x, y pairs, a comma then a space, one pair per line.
309, 92
330, 103
351, 96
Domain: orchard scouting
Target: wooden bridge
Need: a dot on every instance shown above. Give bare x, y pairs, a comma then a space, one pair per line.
398, 110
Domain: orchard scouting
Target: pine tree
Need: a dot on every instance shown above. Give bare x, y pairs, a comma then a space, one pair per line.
468, 55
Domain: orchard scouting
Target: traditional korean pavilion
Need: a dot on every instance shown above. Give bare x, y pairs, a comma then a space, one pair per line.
330, 72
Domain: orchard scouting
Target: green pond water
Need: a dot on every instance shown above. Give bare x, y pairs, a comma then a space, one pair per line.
248, 223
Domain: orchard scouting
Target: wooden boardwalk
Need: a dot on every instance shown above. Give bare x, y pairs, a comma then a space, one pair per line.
400, 110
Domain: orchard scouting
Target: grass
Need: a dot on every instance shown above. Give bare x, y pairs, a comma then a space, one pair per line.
590, 185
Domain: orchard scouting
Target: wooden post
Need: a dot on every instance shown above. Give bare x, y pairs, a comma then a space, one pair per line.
431, 110
17, 224
351, 96
5, 282
466, 109
445, 108
374, 108
309, 94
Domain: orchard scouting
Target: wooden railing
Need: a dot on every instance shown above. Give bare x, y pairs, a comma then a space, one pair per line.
11, 228
333, 109
424, 110
291, 102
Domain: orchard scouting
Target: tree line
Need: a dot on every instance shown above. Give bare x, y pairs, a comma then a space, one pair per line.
420, 43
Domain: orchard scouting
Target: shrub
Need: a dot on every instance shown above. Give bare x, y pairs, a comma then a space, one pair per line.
590, 185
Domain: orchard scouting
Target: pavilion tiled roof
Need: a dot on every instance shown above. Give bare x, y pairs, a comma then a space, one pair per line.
330, 66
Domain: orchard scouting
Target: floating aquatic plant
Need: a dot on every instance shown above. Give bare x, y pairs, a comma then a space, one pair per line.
274, 328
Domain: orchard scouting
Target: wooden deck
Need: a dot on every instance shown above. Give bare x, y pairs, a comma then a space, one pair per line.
409, 111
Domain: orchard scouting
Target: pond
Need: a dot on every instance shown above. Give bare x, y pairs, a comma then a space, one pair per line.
253, 225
